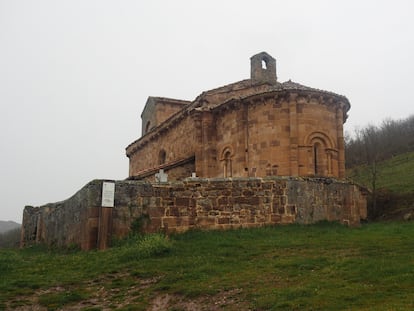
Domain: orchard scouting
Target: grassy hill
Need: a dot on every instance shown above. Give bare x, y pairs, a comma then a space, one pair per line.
395, 174
319, 267
395, 184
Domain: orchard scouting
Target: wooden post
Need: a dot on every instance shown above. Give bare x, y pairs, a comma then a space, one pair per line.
105, 215
104, 227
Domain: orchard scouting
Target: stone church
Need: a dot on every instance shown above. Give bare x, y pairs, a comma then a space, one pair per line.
252, 153
252, 128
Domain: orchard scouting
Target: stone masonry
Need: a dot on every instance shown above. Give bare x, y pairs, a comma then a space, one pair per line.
194, 203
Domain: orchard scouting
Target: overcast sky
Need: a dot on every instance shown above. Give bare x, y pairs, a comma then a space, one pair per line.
75, 74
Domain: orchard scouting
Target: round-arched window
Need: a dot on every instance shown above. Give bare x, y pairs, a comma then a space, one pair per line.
227, 163
162, 157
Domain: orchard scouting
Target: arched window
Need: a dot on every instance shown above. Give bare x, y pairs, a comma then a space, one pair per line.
320, 158
228, 170
162, 157
317, 159
274, 169
226, 158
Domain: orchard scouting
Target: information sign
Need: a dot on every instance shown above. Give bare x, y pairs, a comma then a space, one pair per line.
108, 194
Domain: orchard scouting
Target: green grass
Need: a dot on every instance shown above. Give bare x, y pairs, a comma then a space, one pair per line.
318, 267
54, 301
395, 175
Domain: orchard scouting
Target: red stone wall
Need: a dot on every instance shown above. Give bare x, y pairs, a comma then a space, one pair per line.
276, 137
269, 141
193, 203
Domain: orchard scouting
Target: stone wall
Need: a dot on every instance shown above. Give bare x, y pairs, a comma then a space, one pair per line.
193, 203
70, 222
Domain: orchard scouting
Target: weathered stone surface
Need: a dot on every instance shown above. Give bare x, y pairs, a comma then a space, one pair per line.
73, 221
178, 206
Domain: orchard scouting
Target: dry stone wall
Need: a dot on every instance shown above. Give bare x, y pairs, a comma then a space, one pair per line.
193, 203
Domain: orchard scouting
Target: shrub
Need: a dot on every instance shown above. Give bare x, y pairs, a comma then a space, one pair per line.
146, 246
140, 223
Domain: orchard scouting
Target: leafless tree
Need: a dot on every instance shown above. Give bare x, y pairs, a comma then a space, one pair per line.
372, 144
390, 138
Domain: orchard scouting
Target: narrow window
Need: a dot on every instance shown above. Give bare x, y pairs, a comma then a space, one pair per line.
274, 170
162, 157
315, 158
227, 164
268, 170
264, 64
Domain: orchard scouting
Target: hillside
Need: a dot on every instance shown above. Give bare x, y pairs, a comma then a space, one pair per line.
395, 184
319, 267
395, 174
8, 225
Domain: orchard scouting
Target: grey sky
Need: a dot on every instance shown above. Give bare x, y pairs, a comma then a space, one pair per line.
75, 74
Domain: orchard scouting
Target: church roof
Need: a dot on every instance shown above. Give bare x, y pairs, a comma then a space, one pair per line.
263, 82
290, 85
247, 88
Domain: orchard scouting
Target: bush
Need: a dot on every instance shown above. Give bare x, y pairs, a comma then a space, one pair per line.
146, 246
140, 223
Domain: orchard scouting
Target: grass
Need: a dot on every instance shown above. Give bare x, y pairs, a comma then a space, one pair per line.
55, 300
395, 174
318, 267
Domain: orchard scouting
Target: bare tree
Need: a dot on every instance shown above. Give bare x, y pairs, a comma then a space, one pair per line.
391, 137
373, 152
372, 144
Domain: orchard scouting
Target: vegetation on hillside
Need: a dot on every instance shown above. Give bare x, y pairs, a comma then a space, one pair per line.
381, 158
378, 143
395, 187
395, 174
318, 267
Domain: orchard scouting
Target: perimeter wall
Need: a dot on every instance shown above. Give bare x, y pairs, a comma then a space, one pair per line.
193, 203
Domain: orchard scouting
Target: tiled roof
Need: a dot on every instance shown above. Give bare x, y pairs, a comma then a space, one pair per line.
265, 88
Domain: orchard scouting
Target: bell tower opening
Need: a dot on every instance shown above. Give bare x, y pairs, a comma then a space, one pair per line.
263, 68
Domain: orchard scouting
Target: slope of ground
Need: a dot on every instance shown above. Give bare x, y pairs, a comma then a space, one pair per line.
395, 174
317, 267
395, 185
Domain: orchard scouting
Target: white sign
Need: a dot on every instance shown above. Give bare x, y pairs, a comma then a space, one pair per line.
108, 194
161, 176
